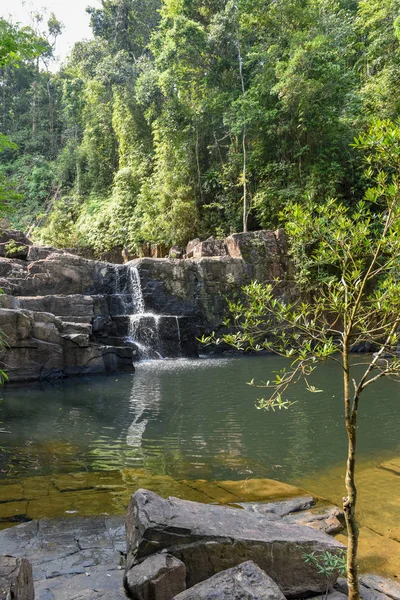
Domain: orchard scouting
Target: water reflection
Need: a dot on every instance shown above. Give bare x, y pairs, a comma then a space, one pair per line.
189, 419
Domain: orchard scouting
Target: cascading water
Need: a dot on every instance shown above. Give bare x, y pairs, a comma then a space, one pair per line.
154, 335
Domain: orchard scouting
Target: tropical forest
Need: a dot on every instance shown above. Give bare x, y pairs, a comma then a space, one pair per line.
199, 301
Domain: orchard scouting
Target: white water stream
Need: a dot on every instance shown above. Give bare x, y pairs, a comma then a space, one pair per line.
144, 327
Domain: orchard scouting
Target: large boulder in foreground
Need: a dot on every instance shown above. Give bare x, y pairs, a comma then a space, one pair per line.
244, 581
159, 577
16, 580
209, 539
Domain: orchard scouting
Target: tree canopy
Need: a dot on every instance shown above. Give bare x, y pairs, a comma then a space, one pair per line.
178, 115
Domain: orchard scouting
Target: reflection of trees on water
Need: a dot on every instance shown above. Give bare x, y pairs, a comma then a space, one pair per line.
187, 419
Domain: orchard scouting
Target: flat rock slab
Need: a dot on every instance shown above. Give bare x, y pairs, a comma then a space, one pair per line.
246, 581
280, 508
209, 539
72, 558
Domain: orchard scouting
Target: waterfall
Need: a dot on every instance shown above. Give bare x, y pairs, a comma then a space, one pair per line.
154, 335
136, 288
178, 330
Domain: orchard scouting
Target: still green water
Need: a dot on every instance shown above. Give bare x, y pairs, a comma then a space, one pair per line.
190, 419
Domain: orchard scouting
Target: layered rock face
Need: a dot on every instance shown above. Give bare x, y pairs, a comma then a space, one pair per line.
50, 310
63, 314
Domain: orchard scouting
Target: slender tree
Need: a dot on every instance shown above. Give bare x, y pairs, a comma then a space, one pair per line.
346, 295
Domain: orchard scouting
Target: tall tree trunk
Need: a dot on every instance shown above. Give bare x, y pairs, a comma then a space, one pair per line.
244, 171
198, 164
349, 501
51, 116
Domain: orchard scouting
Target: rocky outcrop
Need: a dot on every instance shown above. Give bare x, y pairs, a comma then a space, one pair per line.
244, 581
49, 310
79, 558
209, 539
101, 316
16, 580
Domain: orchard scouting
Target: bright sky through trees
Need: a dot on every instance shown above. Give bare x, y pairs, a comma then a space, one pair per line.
72, 14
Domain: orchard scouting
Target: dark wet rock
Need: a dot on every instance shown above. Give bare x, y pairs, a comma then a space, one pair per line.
246, 580
97, 359
159, 577
281, 507
73, 558
16, 580
209, 539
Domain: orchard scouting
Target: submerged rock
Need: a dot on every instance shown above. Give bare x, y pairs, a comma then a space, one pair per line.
209, 539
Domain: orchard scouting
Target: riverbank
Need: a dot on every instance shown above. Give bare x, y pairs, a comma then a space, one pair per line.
84, 558
107, 494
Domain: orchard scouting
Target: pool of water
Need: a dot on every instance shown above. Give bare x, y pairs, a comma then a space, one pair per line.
189, 428
190, 419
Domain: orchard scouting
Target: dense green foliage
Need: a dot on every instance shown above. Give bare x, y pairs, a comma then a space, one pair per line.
155, 130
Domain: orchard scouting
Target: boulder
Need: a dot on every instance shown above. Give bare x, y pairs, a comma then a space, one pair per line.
47, 332
190, 247
265, 251
210, 247
10, 267
16, 580
97, 359
246, 580
62, 274
333, 595
76, 339
209, 539
159, 577
175, 252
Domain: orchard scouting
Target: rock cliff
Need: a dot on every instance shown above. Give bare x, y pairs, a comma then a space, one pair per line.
62, 314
